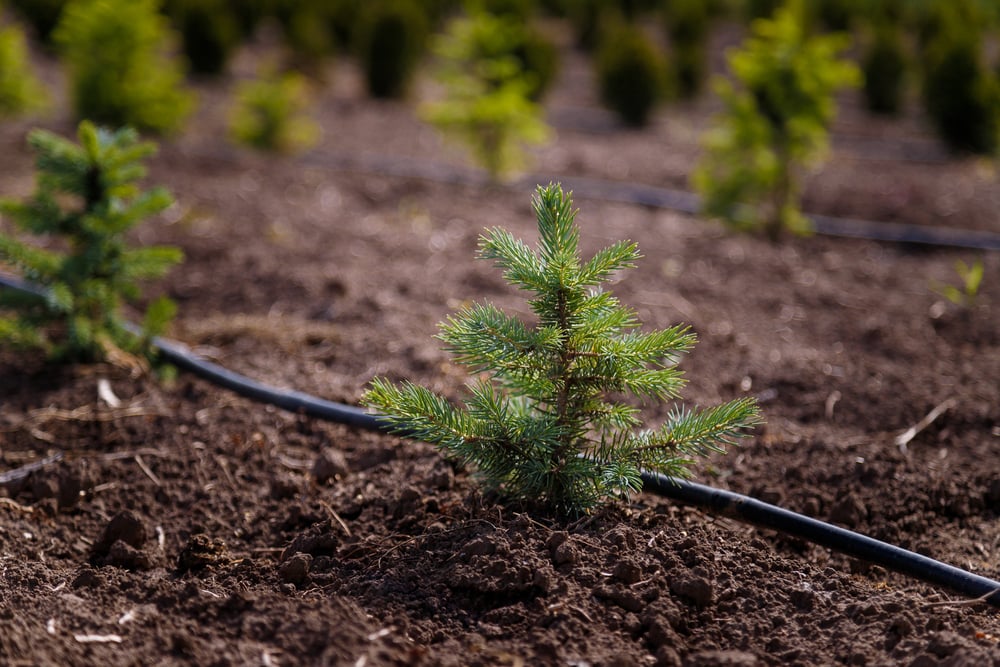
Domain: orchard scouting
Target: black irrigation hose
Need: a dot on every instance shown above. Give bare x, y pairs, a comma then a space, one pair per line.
745, 508
652, 196
293, 401
737, 506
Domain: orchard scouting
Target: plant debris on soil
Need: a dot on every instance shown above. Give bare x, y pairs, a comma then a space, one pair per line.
186, 525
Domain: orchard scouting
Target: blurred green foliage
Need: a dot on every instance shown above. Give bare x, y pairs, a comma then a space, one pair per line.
391, 39
773, 124
305, 25
965, 293
20, 92
961, 93
120, 68
487, 101
41, 15
270, 113
885, 65
631, 73
687, 25
210, 32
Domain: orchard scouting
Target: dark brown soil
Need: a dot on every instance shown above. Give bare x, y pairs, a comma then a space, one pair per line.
191, 526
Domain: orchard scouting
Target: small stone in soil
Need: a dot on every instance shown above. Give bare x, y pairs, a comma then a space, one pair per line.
295, 570
283, 487
480, 546
127, 527
330, 464
627, 572
849, 511
88, 578
721, 659
44, 486
127, 557
70, 486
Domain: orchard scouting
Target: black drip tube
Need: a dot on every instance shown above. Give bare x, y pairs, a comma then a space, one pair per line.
737, 506
649, 195
751, 510
287, 399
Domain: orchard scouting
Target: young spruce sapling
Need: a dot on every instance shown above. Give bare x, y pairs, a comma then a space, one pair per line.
88, 198
774, 123
543, 422
488, 91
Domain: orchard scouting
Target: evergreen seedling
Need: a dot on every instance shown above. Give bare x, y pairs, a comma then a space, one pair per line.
270, 114
773, 125
543, 422
487, 101
87, 197
119, 67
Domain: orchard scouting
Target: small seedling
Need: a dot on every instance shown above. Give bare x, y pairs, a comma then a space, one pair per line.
488, 93
965, 293
543, 422
87, 197
270, 113
774, 123
121, 70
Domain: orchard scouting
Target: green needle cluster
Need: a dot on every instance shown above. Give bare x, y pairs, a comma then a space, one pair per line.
541, 423
88, 199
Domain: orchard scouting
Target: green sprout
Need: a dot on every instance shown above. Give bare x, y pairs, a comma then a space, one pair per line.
542, 423
86, 197
971, 276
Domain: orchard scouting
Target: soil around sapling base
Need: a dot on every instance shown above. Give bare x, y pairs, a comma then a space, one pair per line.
191, 526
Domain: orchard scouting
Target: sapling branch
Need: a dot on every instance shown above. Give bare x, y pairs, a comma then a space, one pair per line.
542, 427
87, 194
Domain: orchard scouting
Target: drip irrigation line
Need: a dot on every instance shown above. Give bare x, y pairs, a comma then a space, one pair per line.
294, 401
690, 204
637, 194
751, 510
651, 196
737, 506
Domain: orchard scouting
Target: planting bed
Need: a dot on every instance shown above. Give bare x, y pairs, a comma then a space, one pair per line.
185, 525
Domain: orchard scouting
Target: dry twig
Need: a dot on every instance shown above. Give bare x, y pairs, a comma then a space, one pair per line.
963, 603
145, 469
909, 434
336, 517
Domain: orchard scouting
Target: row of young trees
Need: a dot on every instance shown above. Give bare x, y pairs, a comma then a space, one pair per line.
936, 43
495, 67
